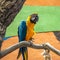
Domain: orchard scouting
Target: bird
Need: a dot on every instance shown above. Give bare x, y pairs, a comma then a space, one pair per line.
25, 33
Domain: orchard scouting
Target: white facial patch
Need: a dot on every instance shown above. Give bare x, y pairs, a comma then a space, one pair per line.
33, 18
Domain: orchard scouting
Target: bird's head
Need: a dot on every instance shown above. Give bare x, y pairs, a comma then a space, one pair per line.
34, 18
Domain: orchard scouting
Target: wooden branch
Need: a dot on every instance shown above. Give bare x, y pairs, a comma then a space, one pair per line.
50, 47
8, 10
28, 44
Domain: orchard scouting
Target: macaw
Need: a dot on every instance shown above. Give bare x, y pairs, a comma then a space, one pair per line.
25, 33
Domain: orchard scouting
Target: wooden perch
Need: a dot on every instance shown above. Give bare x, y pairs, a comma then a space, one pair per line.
50, 47
28, 44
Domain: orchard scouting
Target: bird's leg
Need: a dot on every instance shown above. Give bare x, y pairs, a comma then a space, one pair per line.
31, 40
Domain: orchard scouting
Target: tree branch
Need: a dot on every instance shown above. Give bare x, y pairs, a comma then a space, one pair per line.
8, 10
28, 44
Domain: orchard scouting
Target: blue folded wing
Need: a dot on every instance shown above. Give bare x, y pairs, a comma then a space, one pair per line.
22, 29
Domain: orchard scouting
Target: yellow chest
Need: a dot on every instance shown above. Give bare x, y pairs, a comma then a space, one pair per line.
30, 29
30, 33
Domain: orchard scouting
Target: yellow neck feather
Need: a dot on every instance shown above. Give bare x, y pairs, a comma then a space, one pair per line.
29, 24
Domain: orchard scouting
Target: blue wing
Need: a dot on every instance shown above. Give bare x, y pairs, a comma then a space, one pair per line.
22, 29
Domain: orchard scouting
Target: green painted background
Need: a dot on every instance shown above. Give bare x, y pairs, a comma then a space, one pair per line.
49, 19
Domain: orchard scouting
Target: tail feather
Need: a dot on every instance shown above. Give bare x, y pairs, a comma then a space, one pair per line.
24, 53
19, 53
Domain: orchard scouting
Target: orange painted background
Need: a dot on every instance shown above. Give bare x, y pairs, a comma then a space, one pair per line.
43, 2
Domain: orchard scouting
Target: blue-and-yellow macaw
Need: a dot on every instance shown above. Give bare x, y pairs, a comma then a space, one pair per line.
25, 33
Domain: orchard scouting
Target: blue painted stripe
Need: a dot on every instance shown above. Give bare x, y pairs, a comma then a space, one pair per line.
7, 38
